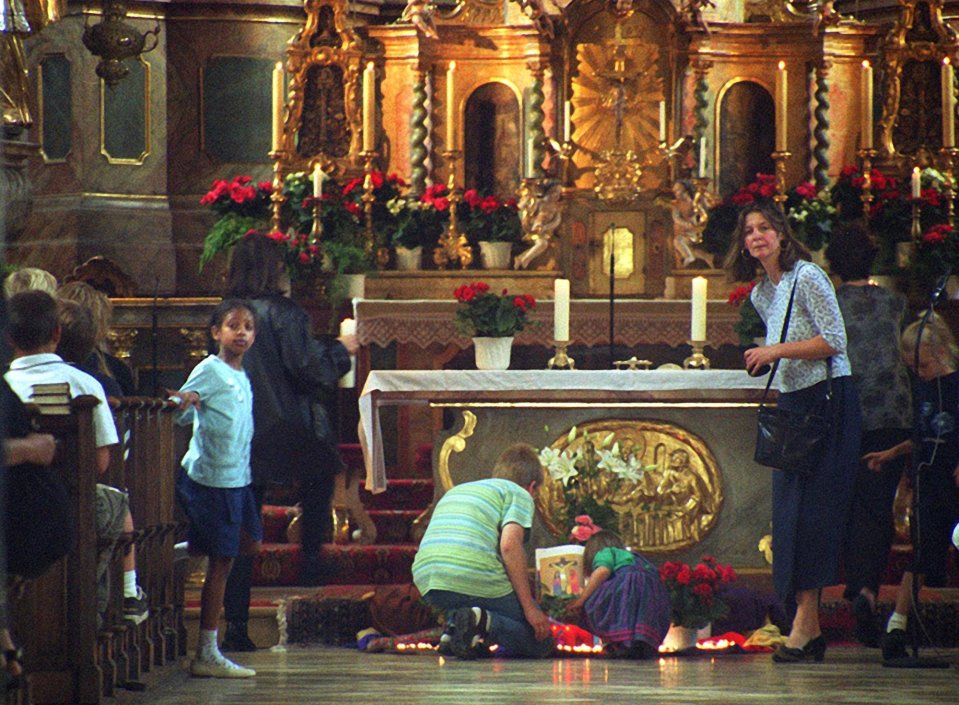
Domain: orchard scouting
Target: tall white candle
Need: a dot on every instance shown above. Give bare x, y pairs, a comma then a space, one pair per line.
318, 177
348, 381
697, 328
782, 92
277, 106
662, 122
567, 121
701, 167
916, 182
561, 309
948, 104
369, 106
450, 106
865, 122
530, 158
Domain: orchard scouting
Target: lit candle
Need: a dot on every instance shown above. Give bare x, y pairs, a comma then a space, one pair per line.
948, 104
697, 329
348, 327
916, 182
318, 177
561, 310
567, 122
450, 107
782, 141
662, 122
865, 125
369, 107
277, 105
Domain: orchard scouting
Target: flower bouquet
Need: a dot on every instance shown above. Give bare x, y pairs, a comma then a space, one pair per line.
937, 252
694, 592
242, 205
485, 314
490, 219
749, 326
811, 215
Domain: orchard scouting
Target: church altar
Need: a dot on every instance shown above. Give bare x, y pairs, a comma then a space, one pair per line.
695, 431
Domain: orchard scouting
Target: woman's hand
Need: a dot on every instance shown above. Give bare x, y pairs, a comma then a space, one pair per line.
574, 607
756, 358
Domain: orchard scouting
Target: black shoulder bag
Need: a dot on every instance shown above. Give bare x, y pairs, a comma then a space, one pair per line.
793, 441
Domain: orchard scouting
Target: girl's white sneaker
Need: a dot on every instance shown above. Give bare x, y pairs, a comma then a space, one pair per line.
219, 668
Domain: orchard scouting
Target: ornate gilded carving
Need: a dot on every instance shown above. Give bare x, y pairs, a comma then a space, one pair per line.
454, 444
821, 129
771, 11
196, 342
540, 212
122, 341
323, 117
912, 50
674, 503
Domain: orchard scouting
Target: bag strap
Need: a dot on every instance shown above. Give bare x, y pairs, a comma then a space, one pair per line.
782, 339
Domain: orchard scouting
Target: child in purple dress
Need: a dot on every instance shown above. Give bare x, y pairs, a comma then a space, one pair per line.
624, 603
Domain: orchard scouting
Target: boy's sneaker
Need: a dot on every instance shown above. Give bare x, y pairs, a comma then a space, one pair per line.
135, 609
468, 632
445, 647
894, 645
219, 668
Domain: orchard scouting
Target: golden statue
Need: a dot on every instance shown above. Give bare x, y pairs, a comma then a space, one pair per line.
18, 19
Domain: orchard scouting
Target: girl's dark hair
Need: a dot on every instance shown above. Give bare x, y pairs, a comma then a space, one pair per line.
596, 543
740, 266
225, 307
851, 251
256, 264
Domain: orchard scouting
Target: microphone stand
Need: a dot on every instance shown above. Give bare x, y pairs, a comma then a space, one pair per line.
914, 621
612, 292
154, 339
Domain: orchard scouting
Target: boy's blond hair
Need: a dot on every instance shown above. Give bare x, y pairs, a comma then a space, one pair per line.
519, 463
936, 336
29, 279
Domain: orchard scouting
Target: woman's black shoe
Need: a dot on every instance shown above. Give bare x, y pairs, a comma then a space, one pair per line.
236, 638
867, 627
815, 650
14, 656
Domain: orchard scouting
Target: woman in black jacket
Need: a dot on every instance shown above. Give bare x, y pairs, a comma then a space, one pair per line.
291, 372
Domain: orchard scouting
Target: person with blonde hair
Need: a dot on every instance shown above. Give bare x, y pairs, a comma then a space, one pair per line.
472, 562
100, 362
934, 470
27, 279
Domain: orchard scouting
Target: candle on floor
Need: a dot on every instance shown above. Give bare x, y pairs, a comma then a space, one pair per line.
348, 381
561, 310
697, 329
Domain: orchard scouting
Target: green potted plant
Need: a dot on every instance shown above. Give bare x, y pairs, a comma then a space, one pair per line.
492, 320
418, 224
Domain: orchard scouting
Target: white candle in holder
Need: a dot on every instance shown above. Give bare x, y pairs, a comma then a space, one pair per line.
948, 104
662, 122
318, 177
450, 107
369, 106
277, 105
348, 381
567, 121
782, 93
561, 310
916, 183
697, 329
865, 118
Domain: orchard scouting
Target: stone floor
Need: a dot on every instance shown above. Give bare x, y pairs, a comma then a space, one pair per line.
849, 676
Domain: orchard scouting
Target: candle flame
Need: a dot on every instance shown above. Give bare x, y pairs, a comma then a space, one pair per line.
865, 63
452, 65
782, 65
946, 61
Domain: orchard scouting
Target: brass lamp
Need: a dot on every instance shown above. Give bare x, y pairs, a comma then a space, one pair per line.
113, 40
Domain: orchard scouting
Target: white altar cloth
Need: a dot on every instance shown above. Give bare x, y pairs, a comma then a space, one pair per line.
396, 387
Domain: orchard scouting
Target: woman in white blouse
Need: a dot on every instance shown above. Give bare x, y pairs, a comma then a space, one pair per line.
809, 511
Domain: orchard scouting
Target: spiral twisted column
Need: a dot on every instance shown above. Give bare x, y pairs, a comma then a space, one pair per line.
700, 105
820, 132
534, 121
418, 134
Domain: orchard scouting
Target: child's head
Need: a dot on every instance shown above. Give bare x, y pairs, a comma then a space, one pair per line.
29, 279
32, 322
78, 332
937, 351
95, 301
233, 328
596, 543
519, 463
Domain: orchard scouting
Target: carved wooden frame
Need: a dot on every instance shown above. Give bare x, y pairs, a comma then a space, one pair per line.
898, 49
301, 57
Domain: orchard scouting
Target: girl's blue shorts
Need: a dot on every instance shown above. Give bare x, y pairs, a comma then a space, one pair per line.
218, 516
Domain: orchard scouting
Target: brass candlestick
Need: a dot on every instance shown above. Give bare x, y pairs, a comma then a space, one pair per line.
566, 150
866, 155
561, 361
949, 155
370, 238
697, 361
453, 245
916, 230
780, 159
633, 363
316, 233
277, 199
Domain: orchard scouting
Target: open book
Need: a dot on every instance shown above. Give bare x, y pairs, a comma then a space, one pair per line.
559, 570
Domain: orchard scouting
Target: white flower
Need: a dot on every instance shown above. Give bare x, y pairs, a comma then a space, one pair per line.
559, 464
611, 460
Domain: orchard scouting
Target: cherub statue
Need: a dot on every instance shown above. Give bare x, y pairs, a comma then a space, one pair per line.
690, 212
540, 214
420, 14
536, 11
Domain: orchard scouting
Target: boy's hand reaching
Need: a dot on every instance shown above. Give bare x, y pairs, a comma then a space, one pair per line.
539, 622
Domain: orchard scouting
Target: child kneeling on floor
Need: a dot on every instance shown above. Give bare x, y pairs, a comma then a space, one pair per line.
215, 490
624, 602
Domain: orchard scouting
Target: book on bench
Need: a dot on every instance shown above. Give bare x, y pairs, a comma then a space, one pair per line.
52, 397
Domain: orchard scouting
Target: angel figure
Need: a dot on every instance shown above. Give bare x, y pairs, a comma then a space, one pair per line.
689, 218
540, 213
420, 14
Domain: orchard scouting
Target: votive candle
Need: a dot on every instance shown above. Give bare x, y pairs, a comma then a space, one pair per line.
782, 90
561, 310
865, 125
369, 106
697, 328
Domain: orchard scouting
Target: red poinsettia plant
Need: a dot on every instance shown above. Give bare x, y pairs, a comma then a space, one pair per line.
749, 326
241, 196
694, 593
489, 218
485, 314
938, 250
